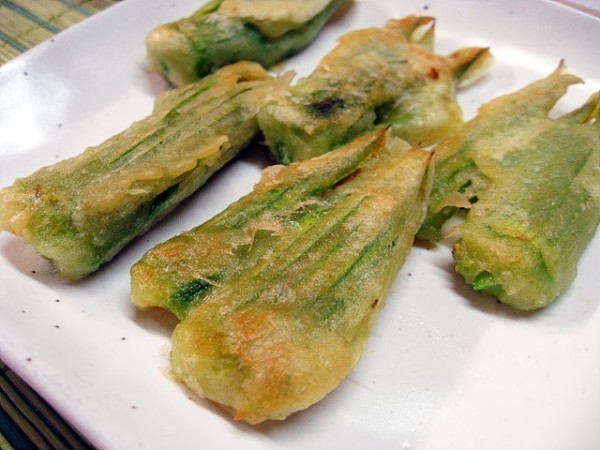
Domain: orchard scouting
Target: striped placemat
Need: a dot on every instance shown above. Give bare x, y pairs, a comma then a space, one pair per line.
26, 23
28, 422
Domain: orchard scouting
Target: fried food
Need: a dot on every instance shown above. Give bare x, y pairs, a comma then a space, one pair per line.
531, 186
277, 294
80, 212
227, 31
376, 76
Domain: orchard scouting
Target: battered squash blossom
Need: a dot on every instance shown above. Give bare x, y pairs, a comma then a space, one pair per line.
227, 31
374, 77
277, 294
531, 186
80, 212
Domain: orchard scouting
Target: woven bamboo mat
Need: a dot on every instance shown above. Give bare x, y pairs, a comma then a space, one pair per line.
26, 23
28, 422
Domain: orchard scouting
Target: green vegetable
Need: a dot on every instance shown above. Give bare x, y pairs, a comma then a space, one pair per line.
531, 185
220, 33
374, 77
277, 294
80, 212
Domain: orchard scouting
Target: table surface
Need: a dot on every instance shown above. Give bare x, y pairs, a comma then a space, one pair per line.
26, 420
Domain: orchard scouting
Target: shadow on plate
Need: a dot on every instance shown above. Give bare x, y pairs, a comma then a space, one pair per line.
156, 320
570, 308
24, 257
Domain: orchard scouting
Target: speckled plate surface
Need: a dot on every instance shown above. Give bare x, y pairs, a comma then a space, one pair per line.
445, 368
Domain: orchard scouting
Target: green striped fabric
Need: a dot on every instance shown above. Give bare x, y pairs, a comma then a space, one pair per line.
28, 422
26, 23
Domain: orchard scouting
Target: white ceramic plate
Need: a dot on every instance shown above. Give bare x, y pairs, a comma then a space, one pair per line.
445, 368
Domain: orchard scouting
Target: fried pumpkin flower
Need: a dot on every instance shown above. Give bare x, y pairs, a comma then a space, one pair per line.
531, 185
81, 211
376, 76
227, 31
277, 294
